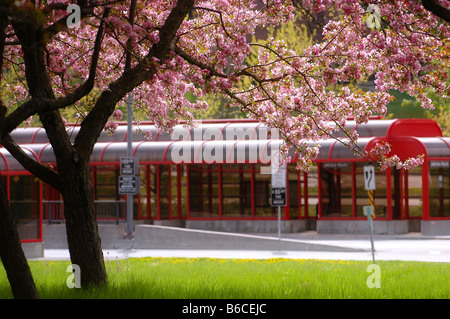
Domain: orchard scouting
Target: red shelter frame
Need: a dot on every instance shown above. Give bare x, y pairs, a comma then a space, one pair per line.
408, 138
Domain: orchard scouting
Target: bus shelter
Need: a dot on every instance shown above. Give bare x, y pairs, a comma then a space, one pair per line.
217, 176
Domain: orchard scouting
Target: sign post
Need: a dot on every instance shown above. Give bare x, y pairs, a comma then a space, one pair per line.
369, 211
279, 190
129, 174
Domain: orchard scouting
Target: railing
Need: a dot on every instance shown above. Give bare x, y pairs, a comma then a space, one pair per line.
108, 211
111, 211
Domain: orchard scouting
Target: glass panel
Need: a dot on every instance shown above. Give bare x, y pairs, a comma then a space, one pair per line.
143, 196
204, 190
24, 203
174, 190
336, 187
164, 191
52, 204
106, 194
106, 177
440, 190
295, 201
262, 194
152, 191
236, 190
312, 192
183, 190
414, 196
397, 190
380, 193
195, 190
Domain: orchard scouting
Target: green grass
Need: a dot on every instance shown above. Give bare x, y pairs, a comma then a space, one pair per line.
209, 278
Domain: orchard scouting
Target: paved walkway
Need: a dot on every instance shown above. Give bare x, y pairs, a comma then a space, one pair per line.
307, 245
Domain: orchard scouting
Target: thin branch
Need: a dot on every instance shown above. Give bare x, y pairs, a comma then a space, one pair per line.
95, 121
36, 105
196, 62
358, 151
221, 19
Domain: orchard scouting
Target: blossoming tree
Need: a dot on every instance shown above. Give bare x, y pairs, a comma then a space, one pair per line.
159, 51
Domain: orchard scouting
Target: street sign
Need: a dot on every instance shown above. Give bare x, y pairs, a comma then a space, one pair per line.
369, 178
336, 165
278, 196
279, 185
129, 166
439, 164
129, 185
279, 176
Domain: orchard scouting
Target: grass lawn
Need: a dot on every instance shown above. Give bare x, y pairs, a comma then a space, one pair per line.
210, 278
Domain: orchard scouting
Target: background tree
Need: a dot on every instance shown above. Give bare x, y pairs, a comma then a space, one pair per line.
162, 52
11, 253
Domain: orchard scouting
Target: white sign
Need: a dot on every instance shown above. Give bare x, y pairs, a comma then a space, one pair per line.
439, 164
279, 176
369, 178
279, 184
129, 166
129, 185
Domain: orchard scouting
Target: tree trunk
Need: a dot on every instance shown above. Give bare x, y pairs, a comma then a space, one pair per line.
12, 255
76, 188
81, 224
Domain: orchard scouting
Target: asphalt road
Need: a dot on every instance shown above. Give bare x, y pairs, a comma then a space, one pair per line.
410, 247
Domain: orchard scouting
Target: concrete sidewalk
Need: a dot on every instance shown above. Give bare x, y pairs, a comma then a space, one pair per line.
163, 241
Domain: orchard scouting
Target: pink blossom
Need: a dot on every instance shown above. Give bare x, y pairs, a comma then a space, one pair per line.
272, 83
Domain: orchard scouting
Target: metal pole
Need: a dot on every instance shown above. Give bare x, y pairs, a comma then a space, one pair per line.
371, 239
279, 222
130, 227
372, 204
371, 200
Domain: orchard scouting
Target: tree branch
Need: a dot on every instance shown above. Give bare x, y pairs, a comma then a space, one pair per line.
60, 25
221, 19
43, 172
437, 9
36, 105
196, 62
131, 22
95, 121
30, 36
